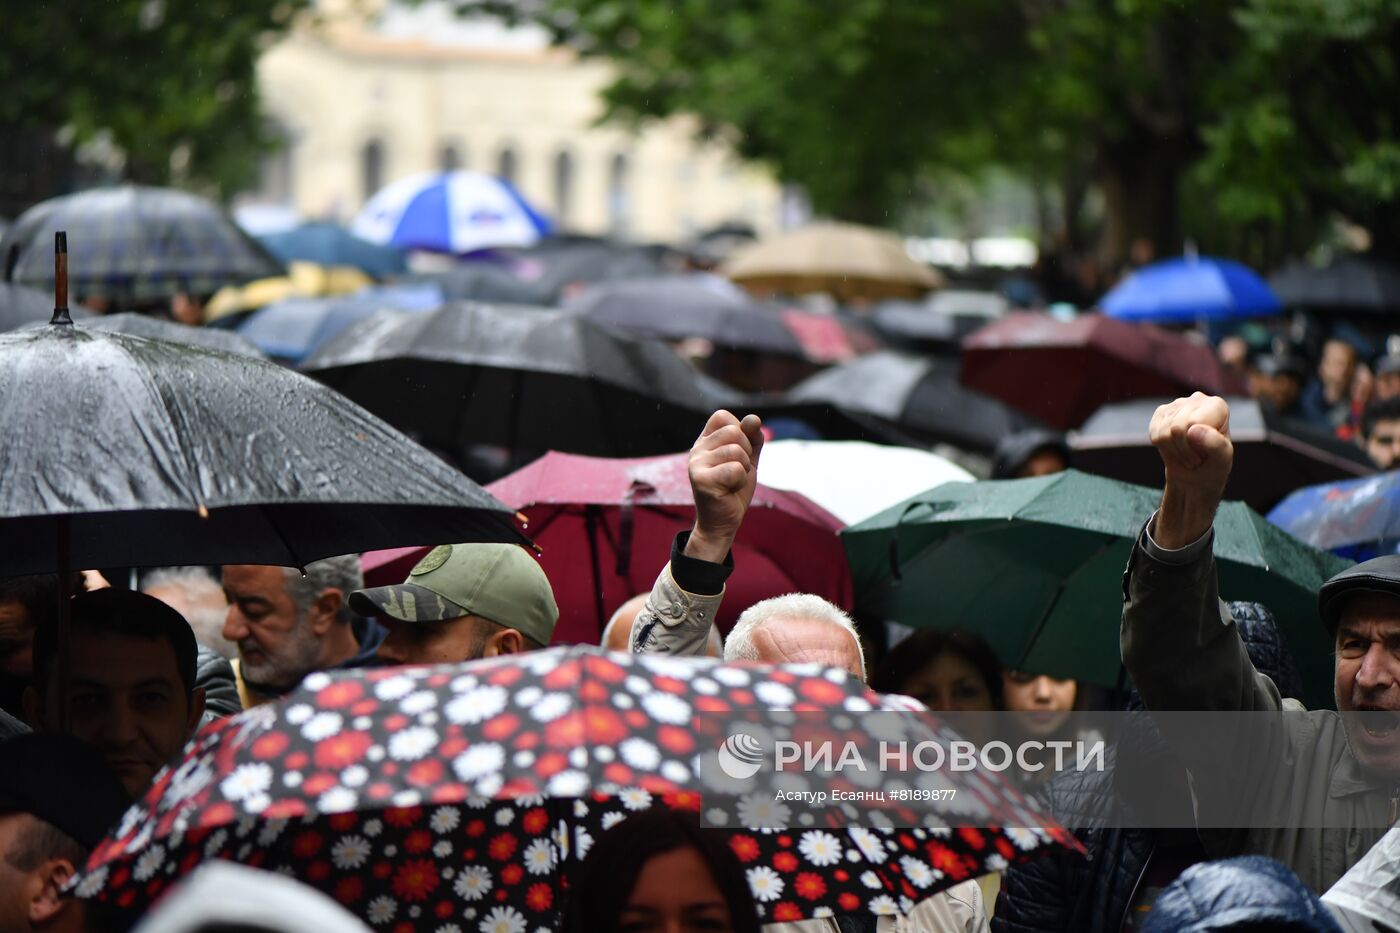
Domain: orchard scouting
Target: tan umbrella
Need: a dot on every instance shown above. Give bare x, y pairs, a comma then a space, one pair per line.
844, 260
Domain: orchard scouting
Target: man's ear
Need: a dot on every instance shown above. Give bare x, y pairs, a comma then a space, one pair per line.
196, 712
48, 901
507, 641
33, 707
325, 610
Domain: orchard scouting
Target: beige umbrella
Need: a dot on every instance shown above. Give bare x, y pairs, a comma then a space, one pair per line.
843, 260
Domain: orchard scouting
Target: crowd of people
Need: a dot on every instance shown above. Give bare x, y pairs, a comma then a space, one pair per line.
91, 723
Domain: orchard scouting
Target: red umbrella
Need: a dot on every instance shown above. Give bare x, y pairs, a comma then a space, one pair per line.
455, 797
1063, 371
604, 527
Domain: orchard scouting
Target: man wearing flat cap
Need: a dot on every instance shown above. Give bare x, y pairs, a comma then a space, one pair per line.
462, 602
1331, 784
57, 802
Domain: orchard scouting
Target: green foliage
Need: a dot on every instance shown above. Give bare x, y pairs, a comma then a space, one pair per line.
161, 76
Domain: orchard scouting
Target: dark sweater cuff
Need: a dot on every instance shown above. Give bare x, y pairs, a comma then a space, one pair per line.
698, 576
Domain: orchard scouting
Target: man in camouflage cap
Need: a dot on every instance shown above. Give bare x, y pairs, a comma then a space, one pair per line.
463, 602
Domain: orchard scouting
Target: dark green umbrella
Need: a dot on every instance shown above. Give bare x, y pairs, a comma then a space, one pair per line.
1036, 566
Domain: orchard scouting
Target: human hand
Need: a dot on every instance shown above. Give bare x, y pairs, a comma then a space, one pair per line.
723, 474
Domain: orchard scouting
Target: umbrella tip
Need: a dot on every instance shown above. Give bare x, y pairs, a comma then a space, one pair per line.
203, 510
60, 280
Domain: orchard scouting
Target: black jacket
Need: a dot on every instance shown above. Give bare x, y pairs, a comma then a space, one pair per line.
214, 674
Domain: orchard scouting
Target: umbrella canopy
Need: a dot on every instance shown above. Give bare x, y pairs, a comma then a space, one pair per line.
142, 452
295, 328
329, 244
605, 527
492, 283
1062, 371
1358, 518
677, 307
522, 378
133, 244
941, 322
143, 325
1273, 455
919, 396
450, 212
854, 480
1024, 563
20, 305
847, 261
424, 796
1348, 283
1193, 288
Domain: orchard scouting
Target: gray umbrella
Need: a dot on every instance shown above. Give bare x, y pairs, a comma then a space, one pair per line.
20, 305
1348, 283
143, 325
124, 451
526, 379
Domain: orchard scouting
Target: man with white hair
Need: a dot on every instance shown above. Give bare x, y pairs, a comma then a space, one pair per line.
287, 624
796, 627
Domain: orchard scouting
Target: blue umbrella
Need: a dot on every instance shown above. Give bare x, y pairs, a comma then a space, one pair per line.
450, 212
1356, 518
1190, 289
293, 329
332, 245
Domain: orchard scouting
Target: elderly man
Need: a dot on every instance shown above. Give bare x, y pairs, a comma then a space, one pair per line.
287, 625
57, 801
1331, 780
462, 602
131, 690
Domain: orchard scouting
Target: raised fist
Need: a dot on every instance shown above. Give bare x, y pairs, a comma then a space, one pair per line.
723, 475
1192, 436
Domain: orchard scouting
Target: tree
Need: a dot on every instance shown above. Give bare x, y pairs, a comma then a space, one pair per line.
165, 78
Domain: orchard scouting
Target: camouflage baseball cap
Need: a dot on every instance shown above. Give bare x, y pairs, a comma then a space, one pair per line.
499, 582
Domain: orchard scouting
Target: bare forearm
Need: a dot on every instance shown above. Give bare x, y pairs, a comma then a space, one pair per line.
1185, 516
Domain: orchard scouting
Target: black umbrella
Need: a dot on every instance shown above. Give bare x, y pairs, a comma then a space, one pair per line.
134, 244
917, 396
1348, 283
678, 307
529, 380
128, 451
1273, 455
940, 323
143, 325
20, 305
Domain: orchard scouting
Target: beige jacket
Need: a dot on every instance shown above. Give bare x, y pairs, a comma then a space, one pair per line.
958, 909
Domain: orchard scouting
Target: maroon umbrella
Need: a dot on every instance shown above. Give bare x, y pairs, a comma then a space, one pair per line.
604, 527
457, 797
1063, 371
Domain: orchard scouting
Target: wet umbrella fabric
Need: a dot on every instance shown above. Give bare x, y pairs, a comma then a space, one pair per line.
430, 795
920, 397
1348, 283
678, 307
1273, 455
450, 212
141, 452
329, 244
21, 305
526, 379
605, 527
843, 260
295, 328
1357, 518
1063, 371
136, 244
143, 325
1190, 289
950, 557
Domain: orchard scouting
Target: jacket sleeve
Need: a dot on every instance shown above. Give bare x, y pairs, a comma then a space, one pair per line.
682, 606
1033, 896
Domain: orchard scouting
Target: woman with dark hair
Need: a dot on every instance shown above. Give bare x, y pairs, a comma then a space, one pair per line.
947, 670
658, 872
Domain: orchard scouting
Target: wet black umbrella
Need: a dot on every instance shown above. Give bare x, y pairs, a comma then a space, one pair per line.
143, 325
526, 379
1273, 455
135, 244
918, 396
126, 451
1348, 283
678, 307
21, 305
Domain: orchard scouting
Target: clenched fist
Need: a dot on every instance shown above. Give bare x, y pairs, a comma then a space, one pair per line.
1192, 436
723, 475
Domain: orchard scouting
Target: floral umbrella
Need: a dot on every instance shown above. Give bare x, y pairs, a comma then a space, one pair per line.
454, 798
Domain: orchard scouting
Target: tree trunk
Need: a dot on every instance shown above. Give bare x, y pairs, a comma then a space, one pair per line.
1141, 182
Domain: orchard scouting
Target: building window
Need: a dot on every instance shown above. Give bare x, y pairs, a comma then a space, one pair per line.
275, 169
449, 159
619, 207
506, 166
563, 185
372, 168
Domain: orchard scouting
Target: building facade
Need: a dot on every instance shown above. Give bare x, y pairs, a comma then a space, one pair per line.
366, 92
